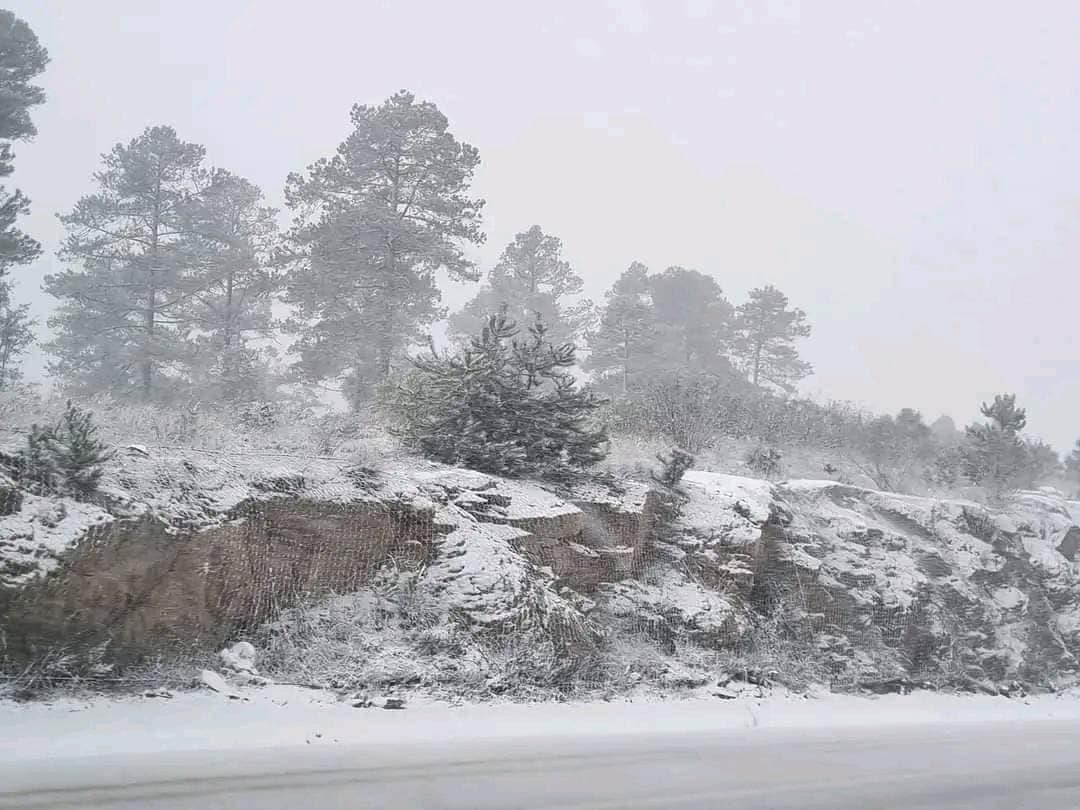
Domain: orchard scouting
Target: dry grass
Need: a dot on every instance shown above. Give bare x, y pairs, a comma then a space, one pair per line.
272, 428
636, 456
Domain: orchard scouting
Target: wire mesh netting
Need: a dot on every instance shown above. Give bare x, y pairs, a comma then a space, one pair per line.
414, 575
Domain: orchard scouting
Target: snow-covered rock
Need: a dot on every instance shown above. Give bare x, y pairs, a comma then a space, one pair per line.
199, 548
239, 657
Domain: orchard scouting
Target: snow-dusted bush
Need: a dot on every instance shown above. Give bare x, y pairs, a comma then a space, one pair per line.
764, 461
66, 457
504, 404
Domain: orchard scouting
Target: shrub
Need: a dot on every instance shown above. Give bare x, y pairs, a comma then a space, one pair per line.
673, 468
764, 461
685, 410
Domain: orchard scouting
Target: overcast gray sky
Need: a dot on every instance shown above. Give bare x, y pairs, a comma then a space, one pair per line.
907, 172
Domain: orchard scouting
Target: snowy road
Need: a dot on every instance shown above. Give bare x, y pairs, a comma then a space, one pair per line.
994, 765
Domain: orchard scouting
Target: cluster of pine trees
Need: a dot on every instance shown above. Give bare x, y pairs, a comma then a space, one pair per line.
173, 267
679, 321
178, 281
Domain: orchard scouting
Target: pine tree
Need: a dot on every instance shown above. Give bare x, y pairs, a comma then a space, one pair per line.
65, 457
373, 225
34, 465
693, 321
228, 314
995, 456
764, 343
502, 405
531, 280
671, 498
1043, 463
624, 345
75, 452
1072, 465
121, 323
16, 336
22, 59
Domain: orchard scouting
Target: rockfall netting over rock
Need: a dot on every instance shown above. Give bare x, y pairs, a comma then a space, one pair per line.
424, 576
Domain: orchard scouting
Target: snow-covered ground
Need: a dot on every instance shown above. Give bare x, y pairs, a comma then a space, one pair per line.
284, 716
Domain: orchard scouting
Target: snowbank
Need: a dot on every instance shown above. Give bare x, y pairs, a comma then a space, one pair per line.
279, 716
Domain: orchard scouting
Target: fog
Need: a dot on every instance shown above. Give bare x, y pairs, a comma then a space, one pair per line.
907, 173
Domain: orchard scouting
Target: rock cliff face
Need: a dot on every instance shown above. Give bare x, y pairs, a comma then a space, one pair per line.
883, 586
194, 550
865, 587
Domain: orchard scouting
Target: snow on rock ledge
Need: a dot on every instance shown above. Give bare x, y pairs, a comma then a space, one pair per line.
198, 547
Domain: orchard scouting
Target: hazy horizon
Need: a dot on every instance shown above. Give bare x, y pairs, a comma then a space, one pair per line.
906, 173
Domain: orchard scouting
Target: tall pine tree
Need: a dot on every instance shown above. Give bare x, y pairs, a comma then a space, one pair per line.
121, 323
531, 280
228, 314
374, 222
693, 320
764, 340
22, 59
624, 344
16, 336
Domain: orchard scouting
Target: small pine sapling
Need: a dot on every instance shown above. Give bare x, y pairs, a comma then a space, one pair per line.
673, 468
502, 405
35, 466
75, 451
764, 461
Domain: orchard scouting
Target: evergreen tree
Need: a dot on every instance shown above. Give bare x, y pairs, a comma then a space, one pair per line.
1072, 465
671, 497
34, 465
764, 340
76, 453
1004, 415
995, 456
624, 345
502, 405
1043, 463
373, 225
16, 336
945, 430
65, 457
531, 280
228, 313
22, 59
121, 323
693, 321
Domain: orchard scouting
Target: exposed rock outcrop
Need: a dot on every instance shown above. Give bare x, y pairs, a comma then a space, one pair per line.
197, 550
193, 549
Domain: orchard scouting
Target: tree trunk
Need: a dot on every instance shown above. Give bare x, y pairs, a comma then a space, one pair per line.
227, 337
626, 366
147, 365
